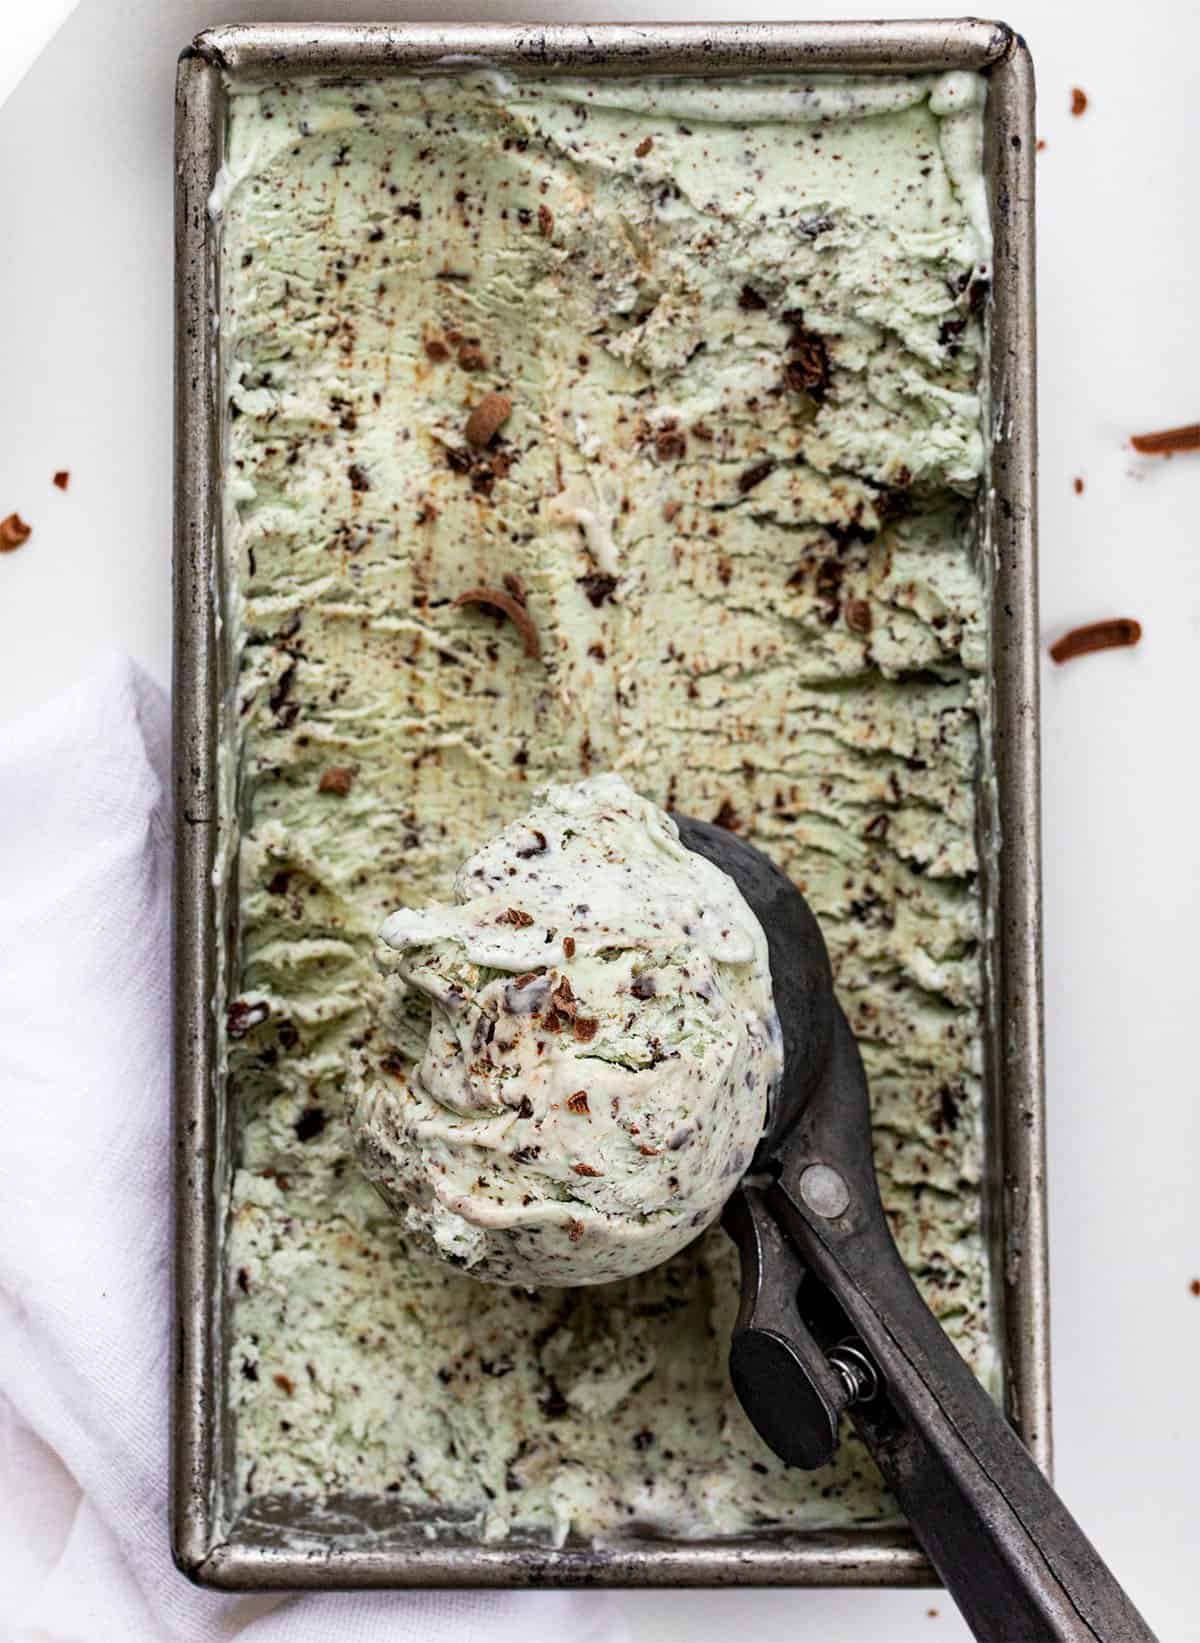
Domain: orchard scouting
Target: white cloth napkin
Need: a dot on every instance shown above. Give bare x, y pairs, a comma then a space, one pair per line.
85, 1219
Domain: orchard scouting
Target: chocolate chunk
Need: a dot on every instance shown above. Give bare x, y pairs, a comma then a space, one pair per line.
339, 779
486, 420
310, 1123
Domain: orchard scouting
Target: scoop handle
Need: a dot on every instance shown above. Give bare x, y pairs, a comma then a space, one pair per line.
1012, 1556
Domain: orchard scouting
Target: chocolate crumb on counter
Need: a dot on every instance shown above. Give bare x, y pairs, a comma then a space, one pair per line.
1078, 484
62, 478
500, 600
1194, 1286
13, 532
1117, 633
1169, 441
1079, 100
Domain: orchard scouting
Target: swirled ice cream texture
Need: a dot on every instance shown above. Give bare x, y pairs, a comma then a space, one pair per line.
602, 1047
757, 600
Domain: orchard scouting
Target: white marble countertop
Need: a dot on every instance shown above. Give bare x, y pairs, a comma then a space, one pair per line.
85, 339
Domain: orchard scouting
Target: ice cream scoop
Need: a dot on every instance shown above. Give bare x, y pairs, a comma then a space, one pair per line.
830, 1319
601, 1052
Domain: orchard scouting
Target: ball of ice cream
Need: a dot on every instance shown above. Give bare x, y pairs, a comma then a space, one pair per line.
602, 1048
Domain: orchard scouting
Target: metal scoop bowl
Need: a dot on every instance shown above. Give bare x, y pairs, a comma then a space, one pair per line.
830, 1320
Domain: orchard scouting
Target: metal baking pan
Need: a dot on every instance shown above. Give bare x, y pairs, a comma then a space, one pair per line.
326, 1551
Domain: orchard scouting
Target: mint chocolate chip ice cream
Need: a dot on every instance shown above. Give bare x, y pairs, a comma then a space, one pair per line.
576, 427
602, 1047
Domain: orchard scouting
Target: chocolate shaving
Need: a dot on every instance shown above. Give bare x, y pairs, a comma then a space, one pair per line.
574, 1230
242, 1015
670, 444
284, 1384
538, 849
569, 946
1115, 634
586, 1169
749, 300
649, 1152
644, 147
515, 916
598, 587
1165, 443
497, 599
471, 357
436, 350
750, 477
807, 370
360, 479
545, 221
486, 420
578, 1103
727, 817
339, 779
858, 616
586, 1028
13, 531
